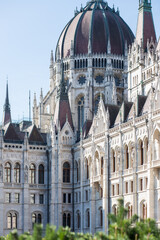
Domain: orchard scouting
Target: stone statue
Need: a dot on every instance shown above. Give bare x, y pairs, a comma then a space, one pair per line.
26, 174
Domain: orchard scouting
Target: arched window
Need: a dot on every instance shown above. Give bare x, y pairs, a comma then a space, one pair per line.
114, 161
17, 173
33, 219
69, 220
32, 174
39, 218
76, 172
78, 220
66, 172
144, 211
36, 218
141, 153
12, 220
9, 221
130, 210
101, 165
88, 219
114, 210
86, 169
127, 158
8, 172
64, 219
101, 217
80, 113
41, 174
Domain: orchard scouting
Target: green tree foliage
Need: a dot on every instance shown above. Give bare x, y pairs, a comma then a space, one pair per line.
120, 228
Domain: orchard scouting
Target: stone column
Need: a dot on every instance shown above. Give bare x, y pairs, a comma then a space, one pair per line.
81, 183
105, 186
26, 215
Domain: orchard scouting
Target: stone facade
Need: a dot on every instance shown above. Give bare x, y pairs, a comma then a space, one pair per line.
95, 137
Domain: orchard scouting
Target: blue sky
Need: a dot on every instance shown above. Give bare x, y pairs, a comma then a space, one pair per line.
29, 29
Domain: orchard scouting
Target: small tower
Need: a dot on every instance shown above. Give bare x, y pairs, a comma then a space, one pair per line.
6, 110
145, 26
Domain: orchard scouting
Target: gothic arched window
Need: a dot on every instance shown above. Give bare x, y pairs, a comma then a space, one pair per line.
141, 153
130, 210
69, 220
17, 173
41, 174
114, 161
36, 218
64, 219
66, 172
80, 113
88, 219
78, 220
8, 172
33, 219
101, 217
32, 174
12, 220
39, 218
127, 158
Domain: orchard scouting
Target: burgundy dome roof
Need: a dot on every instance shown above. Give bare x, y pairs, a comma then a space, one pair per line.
97, 22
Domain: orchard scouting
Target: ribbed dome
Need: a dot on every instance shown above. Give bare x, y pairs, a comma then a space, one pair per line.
95, 24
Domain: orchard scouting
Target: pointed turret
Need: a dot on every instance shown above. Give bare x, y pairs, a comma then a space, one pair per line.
7, 111
145, 26
63, 111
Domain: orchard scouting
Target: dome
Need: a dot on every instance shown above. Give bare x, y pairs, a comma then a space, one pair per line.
95, 25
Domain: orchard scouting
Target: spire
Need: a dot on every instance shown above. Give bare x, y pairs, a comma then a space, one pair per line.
62, 92
145, 26
51, 59
63, 112
7, 111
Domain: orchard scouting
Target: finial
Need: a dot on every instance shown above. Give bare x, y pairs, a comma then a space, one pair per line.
51, 58
89, 46
7, 112
109, 46
113, 9
41, 95
58, 53
66, 117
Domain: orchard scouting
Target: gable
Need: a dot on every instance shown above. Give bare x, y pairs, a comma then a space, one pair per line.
35, 136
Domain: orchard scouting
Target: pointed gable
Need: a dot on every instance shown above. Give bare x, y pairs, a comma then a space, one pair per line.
86, 127
35, 136
124, 111
140, 104
113, 112
10, 134
65, 113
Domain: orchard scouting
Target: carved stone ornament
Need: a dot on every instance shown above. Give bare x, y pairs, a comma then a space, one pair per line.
26, 174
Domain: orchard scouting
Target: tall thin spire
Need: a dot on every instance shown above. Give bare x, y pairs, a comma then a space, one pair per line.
7, 111
62, 91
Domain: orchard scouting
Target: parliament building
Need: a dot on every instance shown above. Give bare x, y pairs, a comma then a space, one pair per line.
95, 135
